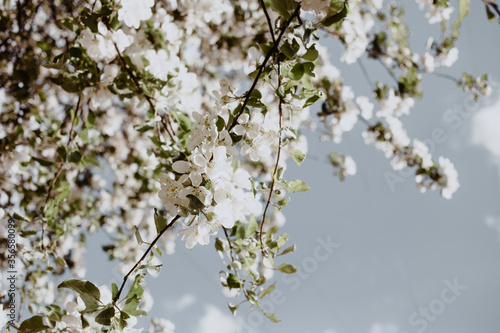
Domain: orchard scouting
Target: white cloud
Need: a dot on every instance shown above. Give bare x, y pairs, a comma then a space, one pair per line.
216, 321
486, 129
494, 223
180, 304
383, 328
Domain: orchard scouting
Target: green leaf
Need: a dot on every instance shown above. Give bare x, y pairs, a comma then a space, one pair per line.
33, 324
288, 250
160, 222
489, 13
61, 262
114, 290
311, 54
233, 281
88, 292
297, 72
90, 160
122, 322
251, 228
138, 236
136, 288
463, 11
74, 157
43, 161
299, 186
311, 100
131, 307
286, 268
290, 50
144, 127
104, 317
17, 216
298, 156
338, 11
91, 118
268, 290
218, 245
27, 233
272, 317
233, 308
284, 7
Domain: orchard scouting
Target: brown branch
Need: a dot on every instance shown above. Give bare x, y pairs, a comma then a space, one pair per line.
261, 67
268, 19
60, 169
170, 130
276, 165
125, 278
231, 249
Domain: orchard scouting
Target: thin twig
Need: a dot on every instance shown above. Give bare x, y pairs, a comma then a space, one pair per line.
125, 278
268, 19
232, 259
261, 67
170, 130
61, 166
276, 165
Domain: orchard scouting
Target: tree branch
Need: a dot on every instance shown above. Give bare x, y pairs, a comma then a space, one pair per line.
261, 67
170, 130
271, 188
125, 278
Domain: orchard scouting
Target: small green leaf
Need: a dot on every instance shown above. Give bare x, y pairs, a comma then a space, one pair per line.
17, 216
288, 250
272, 317
27, 233
160, 222
268, 290
131, 307
336, 15
233, 308
114, 290
138, 236
298, 156
299, 186
88, 292
61, 262
463, 11
311, 54
284, 7
218, 245
286, 268
136, 288
104, 317
297, 72
311, 100
489, 13
74, 157
32, 325
251, 228
43, 161
233, 281
144, 127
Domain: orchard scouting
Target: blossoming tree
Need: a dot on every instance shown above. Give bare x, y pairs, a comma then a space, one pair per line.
151, 120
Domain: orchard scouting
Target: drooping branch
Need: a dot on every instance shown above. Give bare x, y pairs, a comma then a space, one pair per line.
269, 54
153, 243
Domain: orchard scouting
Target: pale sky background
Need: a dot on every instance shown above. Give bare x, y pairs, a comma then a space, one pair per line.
399, 250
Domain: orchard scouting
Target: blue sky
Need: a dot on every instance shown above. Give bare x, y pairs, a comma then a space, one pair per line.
398, 253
